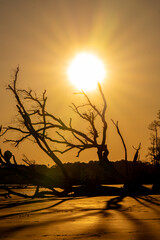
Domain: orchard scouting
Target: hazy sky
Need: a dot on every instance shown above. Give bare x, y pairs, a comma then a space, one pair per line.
42, 36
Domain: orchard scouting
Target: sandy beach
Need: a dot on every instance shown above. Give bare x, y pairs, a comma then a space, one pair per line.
106, 217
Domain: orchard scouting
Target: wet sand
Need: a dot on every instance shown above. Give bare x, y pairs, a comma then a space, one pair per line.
80, 218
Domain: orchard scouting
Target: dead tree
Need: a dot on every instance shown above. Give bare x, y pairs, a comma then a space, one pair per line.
37, 123
129, 178
125, 150
89, 112
136, 156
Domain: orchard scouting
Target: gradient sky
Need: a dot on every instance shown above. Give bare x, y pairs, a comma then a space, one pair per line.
42, 36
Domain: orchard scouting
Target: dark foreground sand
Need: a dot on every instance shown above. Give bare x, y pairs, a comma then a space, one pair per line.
80, 218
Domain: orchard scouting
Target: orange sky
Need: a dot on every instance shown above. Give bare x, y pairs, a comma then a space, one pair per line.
42, 36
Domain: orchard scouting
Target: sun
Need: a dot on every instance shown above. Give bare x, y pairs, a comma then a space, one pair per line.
85, 71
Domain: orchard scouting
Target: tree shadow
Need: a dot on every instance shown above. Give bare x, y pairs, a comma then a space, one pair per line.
26, 202
140, 228
150, 199
63, 219
113, 205
33, 211
149, 202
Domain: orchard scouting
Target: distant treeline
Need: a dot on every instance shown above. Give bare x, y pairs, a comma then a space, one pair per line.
84, 173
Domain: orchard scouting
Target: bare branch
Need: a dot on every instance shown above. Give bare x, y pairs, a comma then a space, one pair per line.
18, 141
66, 150
137, 153
90, 104
10, 128
124, 145
70, 124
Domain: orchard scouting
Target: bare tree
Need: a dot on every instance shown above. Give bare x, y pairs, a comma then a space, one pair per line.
125, 148
89, 112
129, 179
36, 124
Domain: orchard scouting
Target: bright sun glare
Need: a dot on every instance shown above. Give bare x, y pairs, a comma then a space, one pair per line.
85, 71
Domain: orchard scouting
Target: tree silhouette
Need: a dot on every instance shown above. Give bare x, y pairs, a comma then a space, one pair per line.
154, 150
89, 112
130, 180
36, 124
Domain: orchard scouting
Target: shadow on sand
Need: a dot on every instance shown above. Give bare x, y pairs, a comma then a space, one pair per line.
77, 212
